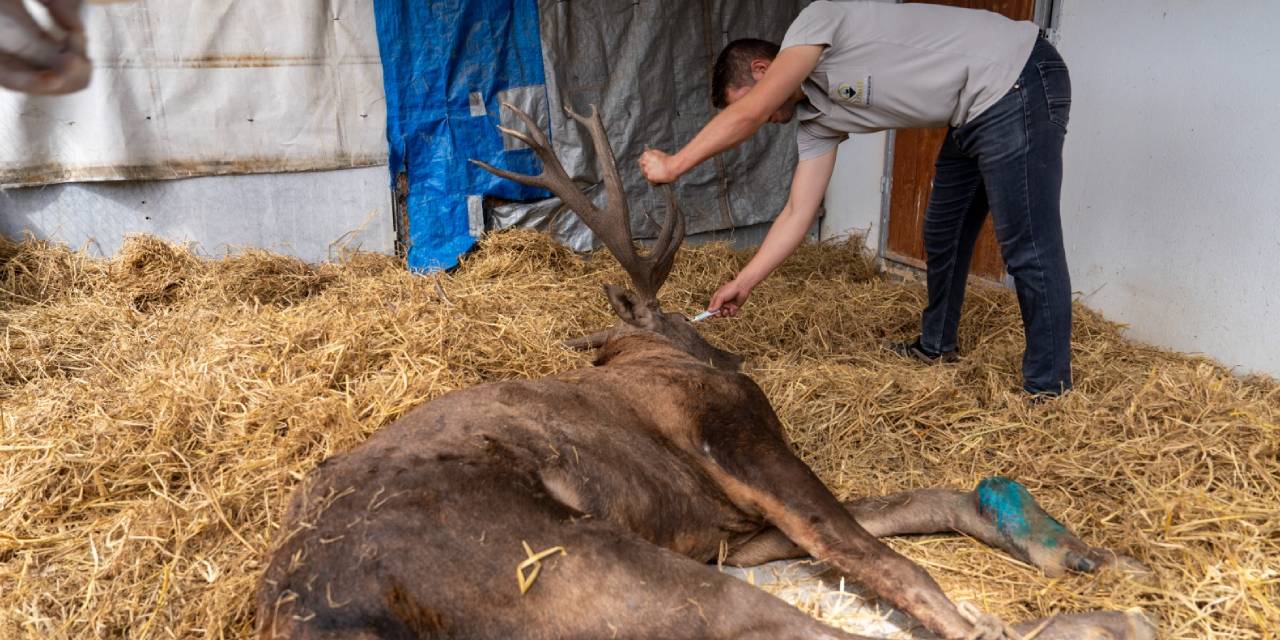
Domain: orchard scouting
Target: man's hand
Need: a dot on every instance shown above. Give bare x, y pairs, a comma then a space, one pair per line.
34, 61
737, 122
808, 186
658, 167
729, 297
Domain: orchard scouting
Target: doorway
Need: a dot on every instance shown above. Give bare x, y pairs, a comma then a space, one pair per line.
912, 153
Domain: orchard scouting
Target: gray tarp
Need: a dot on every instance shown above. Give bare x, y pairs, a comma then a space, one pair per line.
647, 65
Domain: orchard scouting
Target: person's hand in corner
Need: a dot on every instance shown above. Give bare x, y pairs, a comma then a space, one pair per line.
35, 61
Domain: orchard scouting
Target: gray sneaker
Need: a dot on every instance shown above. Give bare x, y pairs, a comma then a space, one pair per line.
915, 350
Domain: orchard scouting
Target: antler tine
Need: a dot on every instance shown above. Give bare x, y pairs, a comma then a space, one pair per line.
553, 176
551, 167
612, 226
534, 130
535, 181
608, 164
616, 231
669, 239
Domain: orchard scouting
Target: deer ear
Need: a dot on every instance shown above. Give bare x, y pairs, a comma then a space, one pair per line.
629, 306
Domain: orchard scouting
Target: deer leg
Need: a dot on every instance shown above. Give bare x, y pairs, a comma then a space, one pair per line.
612, 584
1000, 513
629, 588
756, 469
433, 551
1093, 624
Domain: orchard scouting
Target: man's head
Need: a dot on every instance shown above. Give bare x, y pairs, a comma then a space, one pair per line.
738, 68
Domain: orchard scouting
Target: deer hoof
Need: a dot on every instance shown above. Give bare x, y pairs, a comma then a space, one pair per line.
1033, 535
985, 626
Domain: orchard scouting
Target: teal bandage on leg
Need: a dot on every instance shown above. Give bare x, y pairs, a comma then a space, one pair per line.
1037, 535
1016, 514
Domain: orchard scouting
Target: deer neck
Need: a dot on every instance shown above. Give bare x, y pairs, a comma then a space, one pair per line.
636, 346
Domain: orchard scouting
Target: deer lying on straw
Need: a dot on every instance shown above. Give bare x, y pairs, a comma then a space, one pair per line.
588, 504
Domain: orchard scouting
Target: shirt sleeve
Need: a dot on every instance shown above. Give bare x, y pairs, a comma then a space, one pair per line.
814, 140
818, 23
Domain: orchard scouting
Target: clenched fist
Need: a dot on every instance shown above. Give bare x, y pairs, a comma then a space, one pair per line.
658, 167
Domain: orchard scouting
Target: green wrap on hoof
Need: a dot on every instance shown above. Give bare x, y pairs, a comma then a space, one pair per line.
1033, 535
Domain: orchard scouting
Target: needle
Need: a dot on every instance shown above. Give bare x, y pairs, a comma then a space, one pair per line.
704, 315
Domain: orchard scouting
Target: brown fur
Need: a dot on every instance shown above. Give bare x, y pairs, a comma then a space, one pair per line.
641, 468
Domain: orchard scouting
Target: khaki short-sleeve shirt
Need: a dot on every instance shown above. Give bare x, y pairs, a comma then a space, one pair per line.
894, 66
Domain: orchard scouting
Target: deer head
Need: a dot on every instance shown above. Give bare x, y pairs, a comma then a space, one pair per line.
637, 310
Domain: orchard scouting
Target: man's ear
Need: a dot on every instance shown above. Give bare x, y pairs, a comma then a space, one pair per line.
629, 306
758, 67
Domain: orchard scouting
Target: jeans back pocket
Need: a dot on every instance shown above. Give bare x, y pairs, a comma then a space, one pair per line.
1057, 90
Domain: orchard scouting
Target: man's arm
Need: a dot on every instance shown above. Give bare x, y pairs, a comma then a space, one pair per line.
739, 120
808, 186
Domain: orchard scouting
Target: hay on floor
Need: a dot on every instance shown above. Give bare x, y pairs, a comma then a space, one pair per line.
157, 409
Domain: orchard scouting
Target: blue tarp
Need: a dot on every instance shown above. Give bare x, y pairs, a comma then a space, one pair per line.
435, 55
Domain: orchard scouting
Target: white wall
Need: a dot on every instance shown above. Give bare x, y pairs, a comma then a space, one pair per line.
853, 199
1171, 197
310, 215
1171, 193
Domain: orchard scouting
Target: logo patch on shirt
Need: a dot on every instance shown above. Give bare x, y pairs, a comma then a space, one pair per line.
856, 93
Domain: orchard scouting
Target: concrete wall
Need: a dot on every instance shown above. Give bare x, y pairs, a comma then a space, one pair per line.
854, 199
1171, 207
310, 215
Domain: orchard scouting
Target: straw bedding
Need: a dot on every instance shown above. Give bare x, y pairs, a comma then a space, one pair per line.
157, 409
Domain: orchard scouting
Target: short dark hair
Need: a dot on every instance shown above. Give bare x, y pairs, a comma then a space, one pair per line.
733, 66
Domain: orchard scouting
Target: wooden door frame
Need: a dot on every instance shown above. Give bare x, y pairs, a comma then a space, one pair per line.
1047, 14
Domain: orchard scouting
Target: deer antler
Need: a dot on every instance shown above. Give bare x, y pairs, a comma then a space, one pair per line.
613, 225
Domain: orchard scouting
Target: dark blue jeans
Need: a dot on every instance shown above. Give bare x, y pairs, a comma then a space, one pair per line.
1008, 160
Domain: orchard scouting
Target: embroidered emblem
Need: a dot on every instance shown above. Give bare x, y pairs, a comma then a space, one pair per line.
855, 94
